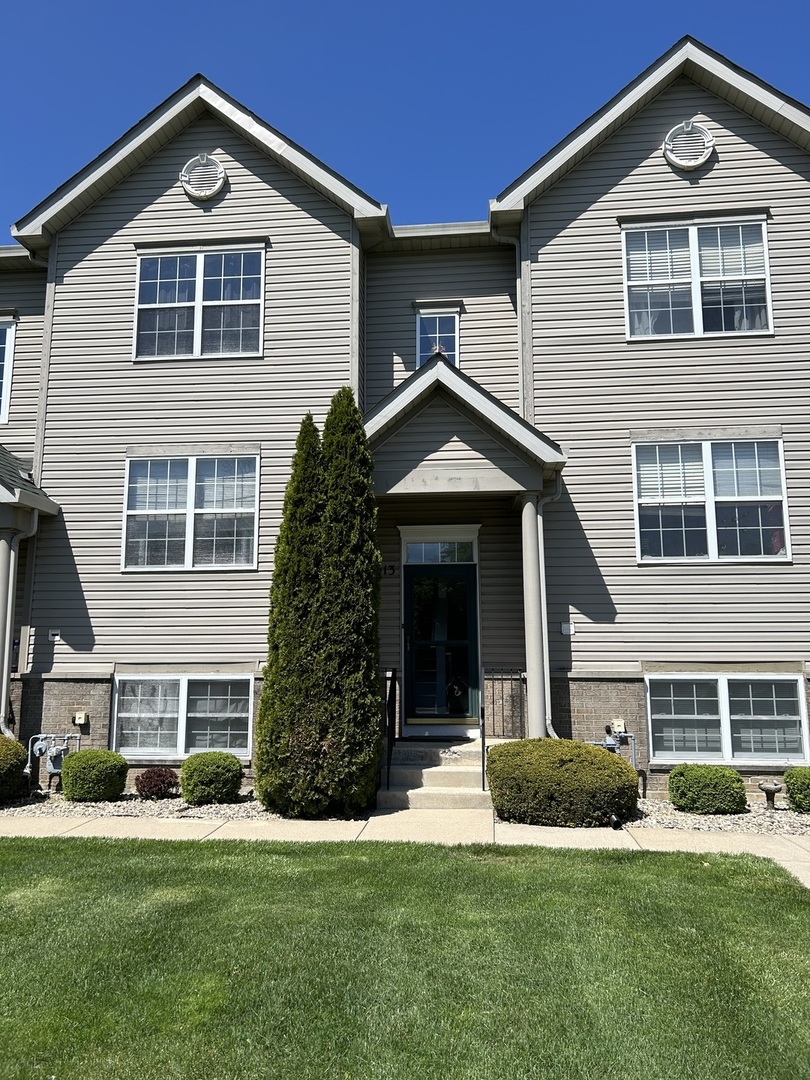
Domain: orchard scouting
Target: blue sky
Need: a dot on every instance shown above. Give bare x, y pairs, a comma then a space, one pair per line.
432, 107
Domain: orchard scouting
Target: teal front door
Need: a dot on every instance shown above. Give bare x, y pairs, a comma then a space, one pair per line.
441, 643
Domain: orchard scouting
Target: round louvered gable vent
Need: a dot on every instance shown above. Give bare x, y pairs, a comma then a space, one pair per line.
688, 146
203, 177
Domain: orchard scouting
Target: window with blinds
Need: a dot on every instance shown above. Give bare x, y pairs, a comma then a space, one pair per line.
697, 279
727, 718
711, 500
175, 715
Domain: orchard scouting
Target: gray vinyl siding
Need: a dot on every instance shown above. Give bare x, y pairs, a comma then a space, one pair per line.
101, 402
592, 388
484, 281
500, 575
26, 293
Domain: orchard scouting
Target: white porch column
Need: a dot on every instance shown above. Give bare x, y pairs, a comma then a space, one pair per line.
533, 619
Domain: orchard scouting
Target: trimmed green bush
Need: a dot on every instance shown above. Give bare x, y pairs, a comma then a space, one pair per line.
212, 777
94, 776
157, 783
707, 789
797, 786
560, 782
13, 760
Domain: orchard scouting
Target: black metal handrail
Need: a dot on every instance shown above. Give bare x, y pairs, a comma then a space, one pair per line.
390, 704
504, 699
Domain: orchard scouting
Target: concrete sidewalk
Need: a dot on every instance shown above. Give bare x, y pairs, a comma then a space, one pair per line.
425, 826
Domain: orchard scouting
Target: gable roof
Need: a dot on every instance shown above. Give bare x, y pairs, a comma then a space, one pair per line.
191, 101
411, 394
689, 58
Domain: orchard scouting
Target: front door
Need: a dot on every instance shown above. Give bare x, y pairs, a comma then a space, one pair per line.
441, 644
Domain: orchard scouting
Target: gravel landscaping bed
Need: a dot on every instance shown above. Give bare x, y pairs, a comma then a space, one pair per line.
131, 805
653, 814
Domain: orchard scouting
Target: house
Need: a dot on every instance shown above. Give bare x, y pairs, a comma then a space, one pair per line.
589, 416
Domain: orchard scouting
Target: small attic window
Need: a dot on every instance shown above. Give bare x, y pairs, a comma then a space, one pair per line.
203, 177
688, 146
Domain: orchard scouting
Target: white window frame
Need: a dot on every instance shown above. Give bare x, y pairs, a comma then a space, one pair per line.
710, 501
199, 253
427, 311
190, 513
725, 757
438, 534
694, 280
179, 751
9, 324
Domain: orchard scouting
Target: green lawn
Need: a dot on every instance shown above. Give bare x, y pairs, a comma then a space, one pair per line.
125, 960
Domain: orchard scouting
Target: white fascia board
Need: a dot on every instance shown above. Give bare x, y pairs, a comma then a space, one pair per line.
484, 405
442, 229
117, 155
303, 163
658, 78
29, 500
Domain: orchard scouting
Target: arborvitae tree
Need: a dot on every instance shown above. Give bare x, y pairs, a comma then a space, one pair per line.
349, 604
288, 732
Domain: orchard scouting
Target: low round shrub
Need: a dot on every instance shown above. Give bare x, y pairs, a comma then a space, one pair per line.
157, 783
94, 776
797, 786
707, 789
211, 777
560, 782
13, 759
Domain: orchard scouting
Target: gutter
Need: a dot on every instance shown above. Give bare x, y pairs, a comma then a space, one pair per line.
502, 238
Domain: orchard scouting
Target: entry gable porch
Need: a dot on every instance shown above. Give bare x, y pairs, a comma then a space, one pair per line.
439, 431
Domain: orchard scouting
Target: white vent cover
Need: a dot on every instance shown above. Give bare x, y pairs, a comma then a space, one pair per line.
688, 145
203, 177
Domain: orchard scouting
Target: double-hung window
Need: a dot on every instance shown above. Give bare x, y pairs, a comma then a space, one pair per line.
727, 717
437, 333
167, 716
200, 304
7, 326
195, 512
711, 500
697, 279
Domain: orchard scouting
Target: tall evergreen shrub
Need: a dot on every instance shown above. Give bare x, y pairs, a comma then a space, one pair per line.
318, 733
349, 604
288, 736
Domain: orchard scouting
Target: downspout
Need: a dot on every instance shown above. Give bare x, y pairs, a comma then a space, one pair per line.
5, 678
502, 238
541, 553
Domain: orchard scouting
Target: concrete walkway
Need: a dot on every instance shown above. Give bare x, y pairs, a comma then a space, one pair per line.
425, 826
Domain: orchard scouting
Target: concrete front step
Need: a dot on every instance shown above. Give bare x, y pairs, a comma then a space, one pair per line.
435, 798
413, 752
435, 776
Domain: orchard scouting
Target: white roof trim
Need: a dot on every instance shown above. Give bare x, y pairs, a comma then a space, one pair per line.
514, 198
438, 372
199, 90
